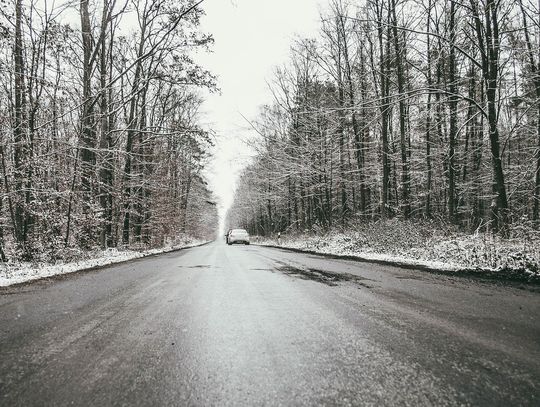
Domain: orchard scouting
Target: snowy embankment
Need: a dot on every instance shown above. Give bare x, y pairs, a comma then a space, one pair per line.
20, 272
426, 247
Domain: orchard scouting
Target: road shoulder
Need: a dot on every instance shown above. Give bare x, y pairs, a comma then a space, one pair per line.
515, 276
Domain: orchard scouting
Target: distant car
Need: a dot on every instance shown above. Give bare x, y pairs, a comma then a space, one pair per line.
238, 236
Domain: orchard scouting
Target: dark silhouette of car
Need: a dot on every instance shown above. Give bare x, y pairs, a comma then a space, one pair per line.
237, 236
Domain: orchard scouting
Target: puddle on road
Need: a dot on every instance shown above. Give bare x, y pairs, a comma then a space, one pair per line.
321, 276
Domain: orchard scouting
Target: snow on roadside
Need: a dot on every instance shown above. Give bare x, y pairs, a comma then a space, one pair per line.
334, 248
402, 244
20, 272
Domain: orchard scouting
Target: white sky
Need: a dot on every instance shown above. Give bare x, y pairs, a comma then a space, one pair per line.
252, 37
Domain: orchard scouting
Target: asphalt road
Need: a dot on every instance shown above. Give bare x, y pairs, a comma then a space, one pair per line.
247, 325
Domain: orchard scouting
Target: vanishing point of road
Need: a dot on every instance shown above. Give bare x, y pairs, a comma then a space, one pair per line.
247, 325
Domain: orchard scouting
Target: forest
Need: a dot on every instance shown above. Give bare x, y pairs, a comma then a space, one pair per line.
402, 110
100, 143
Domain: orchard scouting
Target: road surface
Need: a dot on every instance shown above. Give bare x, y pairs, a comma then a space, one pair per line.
246, 325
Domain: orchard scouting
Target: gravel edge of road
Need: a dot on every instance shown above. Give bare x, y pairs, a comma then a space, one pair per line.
514, 276
58, 277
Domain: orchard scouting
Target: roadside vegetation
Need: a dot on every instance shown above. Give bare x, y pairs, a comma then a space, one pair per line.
424, 243
16, 272
100, 142
407, 129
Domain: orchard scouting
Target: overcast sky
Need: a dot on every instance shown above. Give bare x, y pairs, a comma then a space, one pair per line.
252, 37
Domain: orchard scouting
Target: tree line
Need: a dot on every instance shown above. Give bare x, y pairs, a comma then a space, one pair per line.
402, 108
100, 144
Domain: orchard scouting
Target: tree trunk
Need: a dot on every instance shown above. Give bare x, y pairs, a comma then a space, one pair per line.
19, 132
452, 102
131, 132
405, 176
105, 145
341, 128
88, 137
356, 127
489, 35
428, 118
385, 110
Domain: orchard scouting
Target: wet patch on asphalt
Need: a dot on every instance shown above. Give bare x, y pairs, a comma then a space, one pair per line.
321, 276
198, 266
8, 290
410, 277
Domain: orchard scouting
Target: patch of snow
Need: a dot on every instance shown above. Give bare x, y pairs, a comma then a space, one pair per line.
20, 272
402, 243
335, 248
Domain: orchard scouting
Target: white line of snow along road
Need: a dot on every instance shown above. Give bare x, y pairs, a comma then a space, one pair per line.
16, 273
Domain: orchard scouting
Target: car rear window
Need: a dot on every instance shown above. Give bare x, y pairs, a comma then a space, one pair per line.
239, 231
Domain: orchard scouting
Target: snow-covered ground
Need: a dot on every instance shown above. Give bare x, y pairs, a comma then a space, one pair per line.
336, 248
20, 272
405, 244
